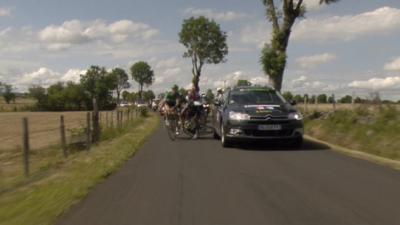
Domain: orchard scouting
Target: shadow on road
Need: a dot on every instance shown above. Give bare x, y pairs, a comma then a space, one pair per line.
308, 145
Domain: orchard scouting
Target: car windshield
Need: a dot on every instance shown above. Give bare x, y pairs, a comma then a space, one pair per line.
255, 97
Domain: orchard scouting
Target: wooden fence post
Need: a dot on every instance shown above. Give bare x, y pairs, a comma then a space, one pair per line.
63, 139
88, 133
95, 122
117, 119
305, 104
106, 122
25, 144
333, 103
129, 114
121, 119
112, 119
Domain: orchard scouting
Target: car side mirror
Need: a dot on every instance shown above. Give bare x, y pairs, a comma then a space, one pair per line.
292, 102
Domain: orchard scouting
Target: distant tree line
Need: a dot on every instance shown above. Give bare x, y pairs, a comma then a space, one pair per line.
96, 84
324, 98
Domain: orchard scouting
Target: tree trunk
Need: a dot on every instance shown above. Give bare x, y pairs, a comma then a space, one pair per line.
141, 92
95, 122
276, 81
280, 43
195, 81
118, 97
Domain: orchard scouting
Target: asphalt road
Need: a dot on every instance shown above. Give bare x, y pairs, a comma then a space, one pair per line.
199, 182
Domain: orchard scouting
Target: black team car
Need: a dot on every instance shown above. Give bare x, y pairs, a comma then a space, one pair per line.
256, 113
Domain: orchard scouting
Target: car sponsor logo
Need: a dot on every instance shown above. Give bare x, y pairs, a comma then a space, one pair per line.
261, 109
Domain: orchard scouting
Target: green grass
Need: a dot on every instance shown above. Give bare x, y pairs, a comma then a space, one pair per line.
41, 201
375, 131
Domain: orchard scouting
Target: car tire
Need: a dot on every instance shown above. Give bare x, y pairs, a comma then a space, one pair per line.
215, 135
297, 142
226, 143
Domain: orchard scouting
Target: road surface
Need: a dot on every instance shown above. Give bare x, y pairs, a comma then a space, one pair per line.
198, 182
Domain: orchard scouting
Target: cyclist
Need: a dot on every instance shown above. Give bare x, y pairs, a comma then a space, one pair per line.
171, 103
192, 109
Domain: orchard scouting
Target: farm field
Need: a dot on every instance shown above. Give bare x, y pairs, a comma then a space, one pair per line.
44, 138
43, 128
21, 104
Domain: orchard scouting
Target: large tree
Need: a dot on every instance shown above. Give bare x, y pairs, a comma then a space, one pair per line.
122, 81
99, 84
143, 74
273, 55
205, 43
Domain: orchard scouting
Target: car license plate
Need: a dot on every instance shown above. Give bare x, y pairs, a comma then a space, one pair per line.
270, 127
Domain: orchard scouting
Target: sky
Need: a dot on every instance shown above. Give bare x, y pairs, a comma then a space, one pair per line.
350, 47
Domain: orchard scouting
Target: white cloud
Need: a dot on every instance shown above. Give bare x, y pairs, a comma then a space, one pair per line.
381, 20
14, 40
43, 77
304, 84
5, 12
46, 77
219, 16
75, 32
73, 75
312, 5
257, 34
377, 83
393, 65
214, 81
309, 62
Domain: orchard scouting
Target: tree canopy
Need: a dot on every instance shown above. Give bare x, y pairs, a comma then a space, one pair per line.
205, 43
143, 74
99, 84
121, 78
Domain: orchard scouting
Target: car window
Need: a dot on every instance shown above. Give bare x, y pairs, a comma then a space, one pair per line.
255, 97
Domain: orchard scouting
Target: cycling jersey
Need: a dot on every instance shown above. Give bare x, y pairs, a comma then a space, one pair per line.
171, 98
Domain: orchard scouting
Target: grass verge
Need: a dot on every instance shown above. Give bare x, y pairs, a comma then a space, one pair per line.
374, 131
42, 201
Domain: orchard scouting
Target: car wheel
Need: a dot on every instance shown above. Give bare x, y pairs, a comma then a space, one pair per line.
215, 135
226, 143
297, 143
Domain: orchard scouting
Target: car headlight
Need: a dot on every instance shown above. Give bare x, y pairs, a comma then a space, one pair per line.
295, 116
238, 116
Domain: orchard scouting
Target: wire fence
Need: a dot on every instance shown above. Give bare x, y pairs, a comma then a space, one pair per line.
30, 142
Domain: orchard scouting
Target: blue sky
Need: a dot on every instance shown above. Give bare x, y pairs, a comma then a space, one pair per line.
341, 48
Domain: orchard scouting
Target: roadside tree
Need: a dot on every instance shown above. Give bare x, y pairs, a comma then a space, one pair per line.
143, 74
121, 78
99, 84
273, 55
205, 43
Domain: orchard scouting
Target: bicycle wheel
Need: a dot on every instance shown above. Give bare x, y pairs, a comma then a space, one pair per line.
170, 125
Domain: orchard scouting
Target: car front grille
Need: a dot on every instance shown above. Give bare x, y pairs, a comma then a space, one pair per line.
268, 121
268, 117
269, 133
